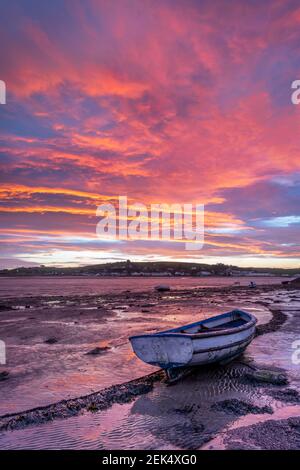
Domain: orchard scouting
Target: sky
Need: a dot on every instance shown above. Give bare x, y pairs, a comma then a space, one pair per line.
160, 101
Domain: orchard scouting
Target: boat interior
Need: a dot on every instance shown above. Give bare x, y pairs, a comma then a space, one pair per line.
230, 320
202, 328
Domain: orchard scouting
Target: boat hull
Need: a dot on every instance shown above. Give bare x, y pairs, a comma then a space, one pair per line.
172, 349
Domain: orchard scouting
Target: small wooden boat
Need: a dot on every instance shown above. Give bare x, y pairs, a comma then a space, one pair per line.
216, 339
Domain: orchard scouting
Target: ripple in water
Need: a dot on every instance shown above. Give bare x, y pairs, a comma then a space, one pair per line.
177, 417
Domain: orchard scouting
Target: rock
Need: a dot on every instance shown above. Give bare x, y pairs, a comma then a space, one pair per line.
268, 435
51, 341
268, 376
96, 351
92, 407
294, 423
148, 305
239, 407
4, 375
162, 288
288, 395
145, 310
5, 307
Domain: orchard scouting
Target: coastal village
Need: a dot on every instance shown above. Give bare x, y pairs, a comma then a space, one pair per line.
150, 269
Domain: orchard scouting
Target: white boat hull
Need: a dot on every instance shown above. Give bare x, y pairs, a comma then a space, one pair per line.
173, 349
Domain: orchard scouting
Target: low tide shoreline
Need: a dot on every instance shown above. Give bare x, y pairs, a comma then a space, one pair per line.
148, 304
103, 399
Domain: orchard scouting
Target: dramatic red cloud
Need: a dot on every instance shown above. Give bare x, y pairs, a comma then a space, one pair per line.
174, 101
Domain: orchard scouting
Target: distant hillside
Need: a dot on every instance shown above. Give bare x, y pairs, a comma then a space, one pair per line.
159, 268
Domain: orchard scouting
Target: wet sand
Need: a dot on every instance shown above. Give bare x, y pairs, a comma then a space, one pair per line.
85, 401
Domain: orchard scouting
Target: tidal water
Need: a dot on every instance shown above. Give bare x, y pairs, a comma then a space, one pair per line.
43, 286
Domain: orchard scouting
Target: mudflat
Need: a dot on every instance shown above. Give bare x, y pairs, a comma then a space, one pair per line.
71, 379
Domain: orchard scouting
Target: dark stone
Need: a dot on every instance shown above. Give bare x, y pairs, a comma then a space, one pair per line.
162, 288
4, 375
239, 407
51, 341
269, 435
5, 307
267, 376
96, 351
92, 407
288, 395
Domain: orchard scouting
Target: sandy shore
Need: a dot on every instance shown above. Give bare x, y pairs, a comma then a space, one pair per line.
61, 346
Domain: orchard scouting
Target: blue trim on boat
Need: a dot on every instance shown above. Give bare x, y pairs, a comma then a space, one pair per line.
178, 331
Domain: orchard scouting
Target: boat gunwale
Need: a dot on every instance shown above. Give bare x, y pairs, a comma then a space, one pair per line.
227, 331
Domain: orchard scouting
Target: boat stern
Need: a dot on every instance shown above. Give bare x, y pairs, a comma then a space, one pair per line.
164, 351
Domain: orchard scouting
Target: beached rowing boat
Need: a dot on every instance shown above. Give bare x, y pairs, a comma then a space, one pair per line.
216, 339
